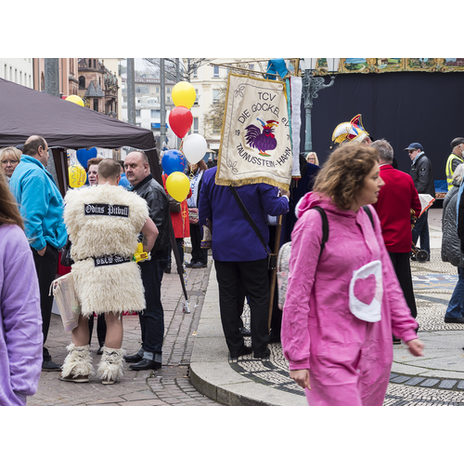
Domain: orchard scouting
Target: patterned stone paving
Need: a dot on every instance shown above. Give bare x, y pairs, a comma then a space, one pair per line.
433, 283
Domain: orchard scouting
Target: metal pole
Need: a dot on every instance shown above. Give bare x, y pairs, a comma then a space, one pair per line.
130, 91
308, 104
311, 87
162, 104
177, 80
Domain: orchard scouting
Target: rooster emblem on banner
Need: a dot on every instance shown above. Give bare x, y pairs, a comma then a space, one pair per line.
264, 140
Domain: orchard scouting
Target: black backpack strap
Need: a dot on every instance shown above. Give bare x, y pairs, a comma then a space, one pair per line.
369, 213
249, 218
325, 228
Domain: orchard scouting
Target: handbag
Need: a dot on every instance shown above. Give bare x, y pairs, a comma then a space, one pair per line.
193, 215
66, 299
271, 257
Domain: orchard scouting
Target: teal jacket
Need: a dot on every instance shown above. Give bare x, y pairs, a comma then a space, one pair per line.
40, 204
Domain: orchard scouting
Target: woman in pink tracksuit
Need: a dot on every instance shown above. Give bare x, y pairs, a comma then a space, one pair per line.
342, 309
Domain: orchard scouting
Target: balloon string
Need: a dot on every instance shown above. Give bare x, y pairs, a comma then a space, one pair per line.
181, 145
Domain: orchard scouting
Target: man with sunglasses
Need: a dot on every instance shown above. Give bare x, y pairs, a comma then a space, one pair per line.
421, 173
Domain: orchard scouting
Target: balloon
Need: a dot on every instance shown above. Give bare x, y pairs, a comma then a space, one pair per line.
194, 148
178, 185
172, 161
75, 99
180, 120
77, 176
183, 94
84, 155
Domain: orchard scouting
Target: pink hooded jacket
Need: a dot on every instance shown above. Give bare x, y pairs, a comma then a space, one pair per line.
349, 358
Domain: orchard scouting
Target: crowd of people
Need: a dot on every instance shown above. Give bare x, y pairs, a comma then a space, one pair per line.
345, 305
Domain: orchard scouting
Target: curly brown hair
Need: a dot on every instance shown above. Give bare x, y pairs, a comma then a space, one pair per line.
342, 175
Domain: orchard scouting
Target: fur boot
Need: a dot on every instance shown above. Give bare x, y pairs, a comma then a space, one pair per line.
110, 368
77, 365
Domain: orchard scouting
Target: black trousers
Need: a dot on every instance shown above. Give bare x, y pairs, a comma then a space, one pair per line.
152, 317
402, 267
46, 267
199, 255
236, 279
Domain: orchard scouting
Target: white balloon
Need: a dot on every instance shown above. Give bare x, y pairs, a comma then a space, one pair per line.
194, 148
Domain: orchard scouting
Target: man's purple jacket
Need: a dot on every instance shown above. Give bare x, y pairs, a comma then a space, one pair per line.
233, 237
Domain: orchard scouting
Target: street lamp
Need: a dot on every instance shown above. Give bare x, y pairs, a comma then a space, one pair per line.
311, 86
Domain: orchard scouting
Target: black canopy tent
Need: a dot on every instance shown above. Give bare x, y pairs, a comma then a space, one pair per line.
24, 112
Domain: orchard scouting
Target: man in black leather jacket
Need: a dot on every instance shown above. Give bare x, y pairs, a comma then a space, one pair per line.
138, 174
421, 173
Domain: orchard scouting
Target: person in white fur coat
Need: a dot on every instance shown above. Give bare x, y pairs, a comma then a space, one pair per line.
103, 225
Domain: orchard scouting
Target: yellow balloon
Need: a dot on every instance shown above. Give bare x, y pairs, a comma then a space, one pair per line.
178, 185
75, 99
77, 176
183, 94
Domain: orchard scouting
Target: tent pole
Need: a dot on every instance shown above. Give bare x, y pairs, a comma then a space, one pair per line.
61, 164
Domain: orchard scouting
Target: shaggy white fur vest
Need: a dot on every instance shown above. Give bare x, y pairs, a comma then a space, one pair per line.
105, 221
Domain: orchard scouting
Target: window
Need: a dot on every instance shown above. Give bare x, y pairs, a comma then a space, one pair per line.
195, 71
215, 95
95, 104
82, 82
137, 113
195, 125
216, 71
155, 114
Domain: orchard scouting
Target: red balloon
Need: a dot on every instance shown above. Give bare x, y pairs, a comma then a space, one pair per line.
180, 120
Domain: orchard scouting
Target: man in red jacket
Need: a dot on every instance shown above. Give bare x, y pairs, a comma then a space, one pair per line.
396, 199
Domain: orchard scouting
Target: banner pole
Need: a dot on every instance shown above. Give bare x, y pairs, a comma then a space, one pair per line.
274, 271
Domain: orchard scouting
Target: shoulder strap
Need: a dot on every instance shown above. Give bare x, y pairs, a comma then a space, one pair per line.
248, 217
369, 213
325, 228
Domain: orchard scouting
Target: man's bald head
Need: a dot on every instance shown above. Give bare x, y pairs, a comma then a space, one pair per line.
37, 147
136, 166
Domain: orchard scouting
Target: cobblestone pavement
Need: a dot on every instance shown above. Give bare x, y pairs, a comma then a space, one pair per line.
433, 283
168, 386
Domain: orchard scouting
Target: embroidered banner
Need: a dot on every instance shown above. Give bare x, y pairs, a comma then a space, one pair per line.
255, 141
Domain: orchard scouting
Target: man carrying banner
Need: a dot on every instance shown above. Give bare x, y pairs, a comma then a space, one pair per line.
239, 256
255, 161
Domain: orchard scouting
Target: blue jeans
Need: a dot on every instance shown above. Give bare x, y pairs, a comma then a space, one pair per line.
456, 304
152, 317
421, 229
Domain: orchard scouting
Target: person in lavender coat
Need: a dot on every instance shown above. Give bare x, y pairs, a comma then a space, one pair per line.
20, 316
240, 258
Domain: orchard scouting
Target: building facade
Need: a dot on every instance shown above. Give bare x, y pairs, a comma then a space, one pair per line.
68, 80
18, 70
98, 86
148, 103
210, 82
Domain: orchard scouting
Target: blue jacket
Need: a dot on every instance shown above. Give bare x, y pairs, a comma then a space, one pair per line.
40, 203
233, 237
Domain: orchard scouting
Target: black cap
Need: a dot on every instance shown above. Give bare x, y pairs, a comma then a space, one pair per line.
456, 141
415, 146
